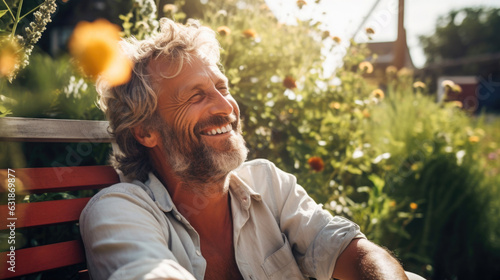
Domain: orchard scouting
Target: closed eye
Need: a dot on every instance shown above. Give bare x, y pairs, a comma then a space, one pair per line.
197, 97
223, 90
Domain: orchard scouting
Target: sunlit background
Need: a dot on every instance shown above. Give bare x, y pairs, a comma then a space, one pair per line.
349, 18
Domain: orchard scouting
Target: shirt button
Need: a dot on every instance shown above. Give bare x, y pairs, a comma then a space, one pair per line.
198, 252
178, 217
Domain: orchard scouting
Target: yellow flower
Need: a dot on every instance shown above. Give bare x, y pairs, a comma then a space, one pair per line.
369, 30
301, 3
223, 30
419, 85
289, 82
9, 57
457, 104
366, 66
447, 84
456, 88
473, 139
405, 72
249, 33
413, 206
95, 47
391, 70
378, 93
392, 203
336, 39
335, 105
169, 8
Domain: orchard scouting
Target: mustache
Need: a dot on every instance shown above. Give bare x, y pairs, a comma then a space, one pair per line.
216, 121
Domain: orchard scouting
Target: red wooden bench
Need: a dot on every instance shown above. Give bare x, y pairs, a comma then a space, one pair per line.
48, 180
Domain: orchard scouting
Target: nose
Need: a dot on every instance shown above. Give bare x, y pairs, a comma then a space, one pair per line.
221, 104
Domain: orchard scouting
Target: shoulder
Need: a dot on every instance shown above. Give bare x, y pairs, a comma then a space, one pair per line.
122, 197
258, 168
264, 178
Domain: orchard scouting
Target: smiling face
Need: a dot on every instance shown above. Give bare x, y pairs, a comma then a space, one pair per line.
201, 132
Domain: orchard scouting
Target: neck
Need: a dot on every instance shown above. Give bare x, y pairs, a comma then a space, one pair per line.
205, 205
206, 211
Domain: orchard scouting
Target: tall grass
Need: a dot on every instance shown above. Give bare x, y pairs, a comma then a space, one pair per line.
436, 163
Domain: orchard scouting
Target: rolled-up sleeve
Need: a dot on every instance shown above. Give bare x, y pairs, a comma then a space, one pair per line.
317, 238
123, 240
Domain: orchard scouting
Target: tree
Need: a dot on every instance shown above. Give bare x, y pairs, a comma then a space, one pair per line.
465, 42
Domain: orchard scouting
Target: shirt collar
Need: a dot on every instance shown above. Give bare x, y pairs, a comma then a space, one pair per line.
238, 188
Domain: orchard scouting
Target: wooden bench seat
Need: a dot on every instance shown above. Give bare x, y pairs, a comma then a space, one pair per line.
42, 258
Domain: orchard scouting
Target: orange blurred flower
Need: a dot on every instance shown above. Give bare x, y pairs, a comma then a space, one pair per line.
249, 33
392, 203
335, 105
366, 113
378, 93
9, 57
95, 47
413, 206
369, 30
289, 82
473, 139
336, 39
223, 30
366, 66
301, 3
316, 163
325, 34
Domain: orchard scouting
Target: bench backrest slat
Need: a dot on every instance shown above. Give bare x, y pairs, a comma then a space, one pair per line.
53, 130
58, 179
44, 213
41, 258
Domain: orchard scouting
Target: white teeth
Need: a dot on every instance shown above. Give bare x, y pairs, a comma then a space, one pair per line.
220, 130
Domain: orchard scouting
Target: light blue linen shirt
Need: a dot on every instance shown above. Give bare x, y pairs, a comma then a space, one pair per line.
134, 230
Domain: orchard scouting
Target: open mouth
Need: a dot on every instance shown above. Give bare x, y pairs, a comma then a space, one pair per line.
218, 130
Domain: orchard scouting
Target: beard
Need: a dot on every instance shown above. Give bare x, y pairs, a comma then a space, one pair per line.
198, 163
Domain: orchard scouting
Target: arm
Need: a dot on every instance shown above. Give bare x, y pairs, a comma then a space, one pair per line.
124, 240
364, 260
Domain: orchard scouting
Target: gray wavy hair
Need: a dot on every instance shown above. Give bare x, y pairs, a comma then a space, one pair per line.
134, 103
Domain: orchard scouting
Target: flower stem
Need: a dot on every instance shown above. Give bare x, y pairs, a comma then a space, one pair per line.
16, 20
31, 11
8, 8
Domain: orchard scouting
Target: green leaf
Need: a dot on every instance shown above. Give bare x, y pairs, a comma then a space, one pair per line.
3, 12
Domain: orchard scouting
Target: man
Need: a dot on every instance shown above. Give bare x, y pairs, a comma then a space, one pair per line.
189, 207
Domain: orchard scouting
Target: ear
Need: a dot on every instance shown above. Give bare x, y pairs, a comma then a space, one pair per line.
147, 139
